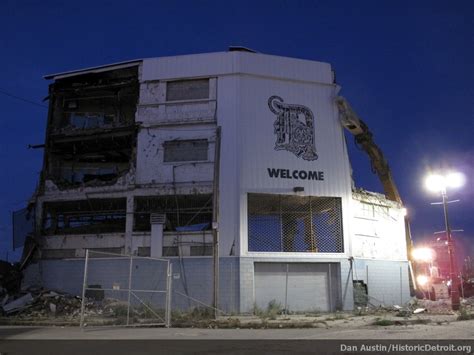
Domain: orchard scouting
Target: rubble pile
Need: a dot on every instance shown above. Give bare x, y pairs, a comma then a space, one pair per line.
468, 302
46, 304
40, 303
441, 306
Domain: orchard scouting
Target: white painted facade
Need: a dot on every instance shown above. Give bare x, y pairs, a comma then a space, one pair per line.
240, 85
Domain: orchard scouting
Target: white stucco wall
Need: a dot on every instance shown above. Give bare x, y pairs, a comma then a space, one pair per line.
379, 229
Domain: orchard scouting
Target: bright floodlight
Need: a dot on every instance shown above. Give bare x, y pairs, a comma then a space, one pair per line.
455, 180
435, 182
422, 280
404, 212
422, 254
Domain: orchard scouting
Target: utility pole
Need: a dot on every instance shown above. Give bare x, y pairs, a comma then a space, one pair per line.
215, 219
455, 303
439, 183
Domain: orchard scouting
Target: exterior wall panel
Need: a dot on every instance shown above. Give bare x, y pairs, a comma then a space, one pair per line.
257, 140
151, 167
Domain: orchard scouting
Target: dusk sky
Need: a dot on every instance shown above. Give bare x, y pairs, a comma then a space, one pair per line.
406, 67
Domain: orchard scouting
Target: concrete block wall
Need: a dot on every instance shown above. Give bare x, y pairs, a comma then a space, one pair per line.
194, 277
387, 281
247, 293
347, 290
191, 277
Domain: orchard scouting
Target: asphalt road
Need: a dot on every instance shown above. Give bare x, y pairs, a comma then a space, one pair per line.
340, 338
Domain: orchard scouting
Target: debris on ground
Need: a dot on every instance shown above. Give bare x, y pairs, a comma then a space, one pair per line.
18, 304
468, 301
441, 306
41, 303
38, 305
419, 310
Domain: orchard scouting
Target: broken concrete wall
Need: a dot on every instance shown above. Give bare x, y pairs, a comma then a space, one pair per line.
386, 281
91, 134
378, 228
156, 107
151, 165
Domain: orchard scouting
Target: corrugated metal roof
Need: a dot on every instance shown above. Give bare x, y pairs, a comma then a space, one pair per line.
98, 69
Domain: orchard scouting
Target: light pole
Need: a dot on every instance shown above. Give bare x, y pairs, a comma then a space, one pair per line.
440, 183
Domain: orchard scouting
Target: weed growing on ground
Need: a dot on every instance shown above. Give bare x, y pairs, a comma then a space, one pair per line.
383, 322
274, 308
464, 314
337, 316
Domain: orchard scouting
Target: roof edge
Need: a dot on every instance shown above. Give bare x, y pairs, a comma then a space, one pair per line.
97, 69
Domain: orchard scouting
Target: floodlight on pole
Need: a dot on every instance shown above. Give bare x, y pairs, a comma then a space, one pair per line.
440, 183
422, 280
423, 255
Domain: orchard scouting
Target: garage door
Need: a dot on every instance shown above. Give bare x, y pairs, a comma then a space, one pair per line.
301, 286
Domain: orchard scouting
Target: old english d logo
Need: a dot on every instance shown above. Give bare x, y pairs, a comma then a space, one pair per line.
294, 128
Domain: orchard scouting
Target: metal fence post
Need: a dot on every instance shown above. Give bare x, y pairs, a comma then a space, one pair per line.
286, 289
330, 287
84, 286
168, 296
129, 289
401, 287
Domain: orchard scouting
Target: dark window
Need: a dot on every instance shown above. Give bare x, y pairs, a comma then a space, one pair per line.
201, 250
186, 150
144, 251
181, 211
104, 252
170, 251
84, 216
58, 253
92, 101
283, 223
187, 90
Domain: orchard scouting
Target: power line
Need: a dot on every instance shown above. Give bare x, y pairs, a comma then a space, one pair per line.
22, 99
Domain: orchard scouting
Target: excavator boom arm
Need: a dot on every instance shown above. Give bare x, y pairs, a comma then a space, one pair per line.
364, 139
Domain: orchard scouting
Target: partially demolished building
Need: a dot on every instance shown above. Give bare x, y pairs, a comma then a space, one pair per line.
129, 168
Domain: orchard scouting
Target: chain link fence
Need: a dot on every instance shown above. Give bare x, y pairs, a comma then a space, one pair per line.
283, 223
116, 293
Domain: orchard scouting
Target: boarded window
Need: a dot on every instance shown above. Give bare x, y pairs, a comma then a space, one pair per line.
281, 223
186, 150
187, 90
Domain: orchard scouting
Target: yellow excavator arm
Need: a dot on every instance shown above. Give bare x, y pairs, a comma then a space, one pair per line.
364, 139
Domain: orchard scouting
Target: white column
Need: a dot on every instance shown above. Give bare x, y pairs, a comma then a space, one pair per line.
156, 243
129, 225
